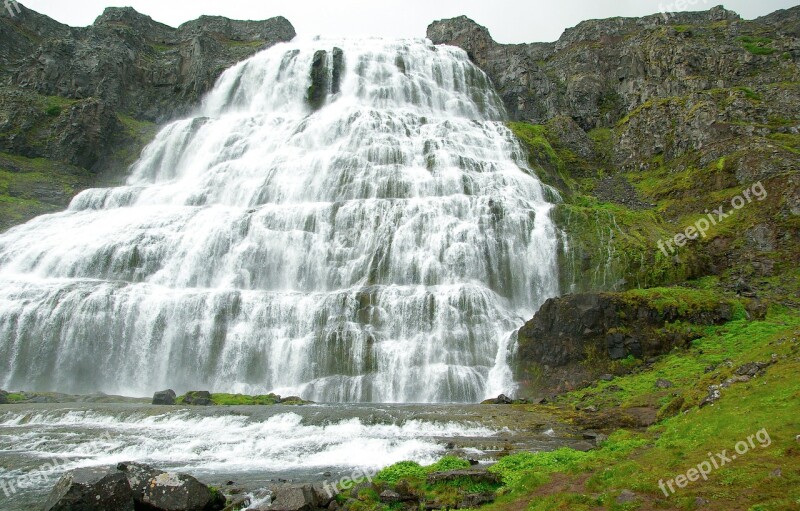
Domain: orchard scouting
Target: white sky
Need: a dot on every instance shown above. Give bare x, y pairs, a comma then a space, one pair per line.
509, 21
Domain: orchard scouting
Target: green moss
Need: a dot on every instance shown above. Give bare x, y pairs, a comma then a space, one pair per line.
240, 399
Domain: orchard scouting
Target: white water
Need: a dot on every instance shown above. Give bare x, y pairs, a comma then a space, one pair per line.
232, 443
382, 248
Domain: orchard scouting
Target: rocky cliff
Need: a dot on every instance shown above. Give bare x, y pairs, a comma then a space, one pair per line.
651, 128
78, 104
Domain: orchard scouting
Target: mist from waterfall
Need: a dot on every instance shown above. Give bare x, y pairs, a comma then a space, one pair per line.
374, 234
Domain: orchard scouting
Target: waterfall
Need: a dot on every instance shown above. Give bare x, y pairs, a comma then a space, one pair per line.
344, 220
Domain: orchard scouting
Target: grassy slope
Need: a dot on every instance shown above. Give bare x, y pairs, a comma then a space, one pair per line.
636, 460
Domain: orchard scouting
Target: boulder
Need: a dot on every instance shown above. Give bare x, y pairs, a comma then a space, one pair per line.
198, 398
156, 490
502, 399
661, 383
91, 489
390, 497
293, 497
3, 397
164, 397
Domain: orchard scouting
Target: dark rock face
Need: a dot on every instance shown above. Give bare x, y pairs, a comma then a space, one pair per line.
134, 64
91, 489
3, 397
164, 397
601, 69
600, 327
90, 98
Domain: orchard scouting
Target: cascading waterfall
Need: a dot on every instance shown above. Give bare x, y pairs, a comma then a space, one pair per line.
344, 220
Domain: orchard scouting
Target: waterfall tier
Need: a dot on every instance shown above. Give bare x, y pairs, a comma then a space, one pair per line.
344, 220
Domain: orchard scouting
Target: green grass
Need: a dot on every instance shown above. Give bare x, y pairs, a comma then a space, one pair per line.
240, 400
638, 460
757, 45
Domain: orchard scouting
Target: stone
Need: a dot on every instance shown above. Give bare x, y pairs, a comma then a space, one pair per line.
168, 491
293, 497
91, 489
502, 399
626, 497
751, 369
164, 397
713, 395
198, 398
701, 502
661, 383
389, 497
606, 377
475, 500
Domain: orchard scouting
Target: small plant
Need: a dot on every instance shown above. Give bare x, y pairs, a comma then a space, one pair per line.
53, 111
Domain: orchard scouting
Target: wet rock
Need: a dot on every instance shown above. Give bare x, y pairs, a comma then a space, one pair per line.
661, 383
502, 399
476, 475
293, 497
156, 490
164, 397
320, 85
3, 397
238, 503
91, 489
198, 398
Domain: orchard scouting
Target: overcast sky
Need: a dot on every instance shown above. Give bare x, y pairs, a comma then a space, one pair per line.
509, 21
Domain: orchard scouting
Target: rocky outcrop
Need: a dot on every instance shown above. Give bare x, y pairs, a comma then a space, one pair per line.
164, 397
577, 337
134, 64
601, 69
130, 486
91, 489
91, 97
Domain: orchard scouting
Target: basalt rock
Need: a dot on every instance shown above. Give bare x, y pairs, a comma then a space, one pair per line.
91, 489
601, 69
164, 397
602, 327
